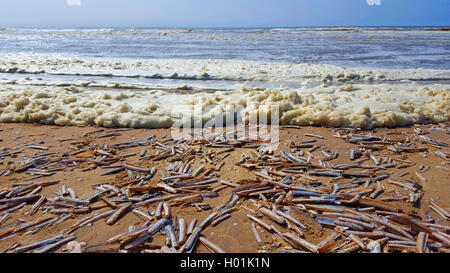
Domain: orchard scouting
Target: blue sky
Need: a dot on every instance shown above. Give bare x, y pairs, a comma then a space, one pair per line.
223, 13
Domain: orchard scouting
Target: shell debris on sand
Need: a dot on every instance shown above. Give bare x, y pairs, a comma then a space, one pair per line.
209, 194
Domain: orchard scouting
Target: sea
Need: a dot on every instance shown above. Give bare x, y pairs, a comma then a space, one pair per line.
334, 76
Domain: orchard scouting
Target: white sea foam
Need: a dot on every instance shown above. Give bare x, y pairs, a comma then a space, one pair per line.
217, 69
364, 98
360, 105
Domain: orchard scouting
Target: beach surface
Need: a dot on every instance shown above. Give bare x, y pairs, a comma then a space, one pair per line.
70, 153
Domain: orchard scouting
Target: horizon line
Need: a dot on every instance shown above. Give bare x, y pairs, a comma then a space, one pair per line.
219, 27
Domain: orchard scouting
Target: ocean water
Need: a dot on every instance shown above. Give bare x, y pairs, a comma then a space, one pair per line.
139, 77
355, 47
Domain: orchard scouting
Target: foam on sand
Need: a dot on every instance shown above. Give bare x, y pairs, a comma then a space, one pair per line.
361, 105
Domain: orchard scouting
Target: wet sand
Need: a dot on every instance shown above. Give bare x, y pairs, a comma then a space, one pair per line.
233, 234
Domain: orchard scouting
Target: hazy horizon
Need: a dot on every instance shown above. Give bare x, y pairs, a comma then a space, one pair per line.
224, 27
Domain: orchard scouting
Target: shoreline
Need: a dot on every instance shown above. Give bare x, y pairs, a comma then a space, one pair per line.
20, 141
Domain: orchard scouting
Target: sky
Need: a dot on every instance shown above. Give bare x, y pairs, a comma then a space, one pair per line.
223, 13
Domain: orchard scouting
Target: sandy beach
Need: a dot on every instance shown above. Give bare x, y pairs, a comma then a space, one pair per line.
396, 188
360, 163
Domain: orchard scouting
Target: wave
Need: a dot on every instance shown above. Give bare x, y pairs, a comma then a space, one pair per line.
212, 69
